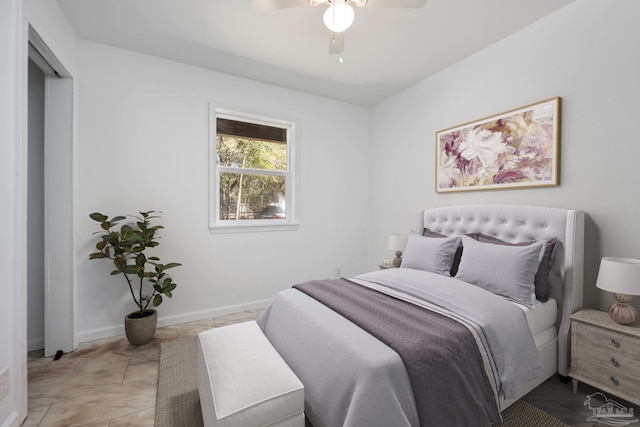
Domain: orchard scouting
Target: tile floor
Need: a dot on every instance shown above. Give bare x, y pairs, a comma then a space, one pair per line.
109, 383
106, 383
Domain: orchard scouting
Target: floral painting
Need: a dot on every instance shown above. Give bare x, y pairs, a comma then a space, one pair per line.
518, 148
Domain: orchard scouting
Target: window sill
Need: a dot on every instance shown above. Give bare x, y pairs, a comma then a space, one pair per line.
251, 228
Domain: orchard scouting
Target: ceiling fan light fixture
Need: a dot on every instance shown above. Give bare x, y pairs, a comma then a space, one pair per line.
338, 17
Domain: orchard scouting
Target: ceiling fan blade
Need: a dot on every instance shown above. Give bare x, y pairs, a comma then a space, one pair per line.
391, 3
281, 4
336, 43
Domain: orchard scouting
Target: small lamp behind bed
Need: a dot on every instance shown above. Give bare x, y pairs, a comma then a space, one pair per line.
397, 243
622, 277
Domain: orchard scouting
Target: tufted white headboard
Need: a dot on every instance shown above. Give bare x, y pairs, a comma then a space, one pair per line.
512, 223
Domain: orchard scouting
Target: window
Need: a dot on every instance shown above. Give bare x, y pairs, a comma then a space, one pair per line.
252, 162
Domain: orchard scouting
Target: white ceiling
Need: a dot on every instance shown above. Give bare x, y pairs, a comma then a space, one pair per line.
386, 50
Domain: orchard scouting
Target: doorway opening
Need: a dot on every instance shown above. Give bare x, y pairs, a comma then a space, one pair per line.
35, 209
49, 215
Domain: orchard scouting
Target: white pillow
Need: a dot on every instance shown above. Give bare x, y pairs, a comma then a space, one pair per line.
430, 253
504, 270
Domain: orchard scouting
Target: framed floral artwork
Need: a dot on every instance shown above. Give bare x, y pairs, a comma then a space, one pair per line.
517, 148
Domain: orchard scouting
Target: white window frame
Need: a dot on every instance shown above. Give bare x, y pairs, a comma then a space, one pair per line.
217, 225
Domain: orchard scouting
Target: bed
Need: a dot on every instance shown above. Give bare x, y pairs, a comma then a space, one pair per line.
356, 376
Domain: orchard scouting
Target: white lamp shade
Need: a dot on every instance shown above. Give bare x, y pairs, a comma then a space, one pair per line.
619, 275
338, 17
397, 242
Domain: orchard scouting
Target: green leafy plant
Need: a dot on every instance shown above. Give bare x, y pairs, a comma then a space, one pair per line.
126, 247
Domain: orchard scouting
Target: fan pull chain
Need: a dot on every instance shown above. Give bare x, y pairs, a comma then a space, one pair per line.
333, 42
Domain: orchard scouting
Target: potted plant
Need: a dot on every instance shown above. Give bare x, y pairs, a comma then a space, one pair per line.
126, 246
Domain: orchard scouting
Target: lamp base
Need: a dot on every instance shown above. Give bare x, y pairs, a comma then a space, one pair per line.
622, 312
398, 259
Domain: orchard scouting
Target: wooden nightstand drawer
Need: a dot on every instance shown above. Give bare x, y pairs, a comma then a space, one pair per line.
608, 379
616, 361
608, 339
605, 354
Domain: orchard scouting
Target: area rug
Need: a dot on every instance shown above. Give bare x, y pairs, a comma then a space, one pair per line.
178, 402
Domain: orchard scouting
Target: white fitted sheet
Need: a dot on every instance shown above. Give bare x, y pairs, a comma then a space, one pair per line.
542, 317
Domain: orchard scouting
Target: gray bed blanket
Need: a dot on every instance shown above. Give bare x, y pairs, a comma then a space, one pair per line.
441, 355
351, 379
501, 325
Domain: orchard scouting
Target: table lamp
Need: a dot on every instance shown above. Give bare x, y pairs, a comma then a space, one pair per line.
622, 277
397, 243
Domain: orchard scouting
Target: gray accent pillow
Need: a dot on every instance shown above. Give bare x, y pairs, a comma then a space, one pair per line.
541, 280
428, 254
504, 270
456, 259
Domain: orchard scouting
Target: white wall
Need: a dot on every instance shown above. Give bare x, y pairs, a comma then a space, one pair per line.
10, 211
143, 129
587, 54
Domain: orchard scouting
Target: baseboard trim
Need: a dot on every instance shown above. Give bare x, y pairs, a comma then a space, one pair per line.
12, 420
35, 344
114, 331
205, 314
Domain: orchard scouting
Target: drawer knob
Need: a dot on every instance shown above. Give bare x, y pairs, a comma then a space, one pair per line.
615, 343
614, 381
614, 362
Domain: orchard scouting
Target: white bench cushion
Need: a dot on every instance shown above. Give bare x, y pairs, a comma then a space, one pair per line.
243, 381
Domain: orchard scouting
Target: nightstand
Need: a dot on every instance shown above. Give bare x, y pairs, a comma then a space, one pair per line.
605, 355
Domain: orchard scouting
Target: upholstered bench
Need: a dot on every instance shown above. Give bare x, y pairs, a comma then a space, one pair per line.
243, 381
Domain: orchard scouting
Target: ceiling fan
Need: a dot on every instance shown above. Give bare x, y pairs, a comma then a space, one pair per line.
339, 14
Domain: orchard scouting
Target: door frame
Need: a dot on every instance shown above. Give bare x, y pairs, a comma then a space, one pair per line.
59, 263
